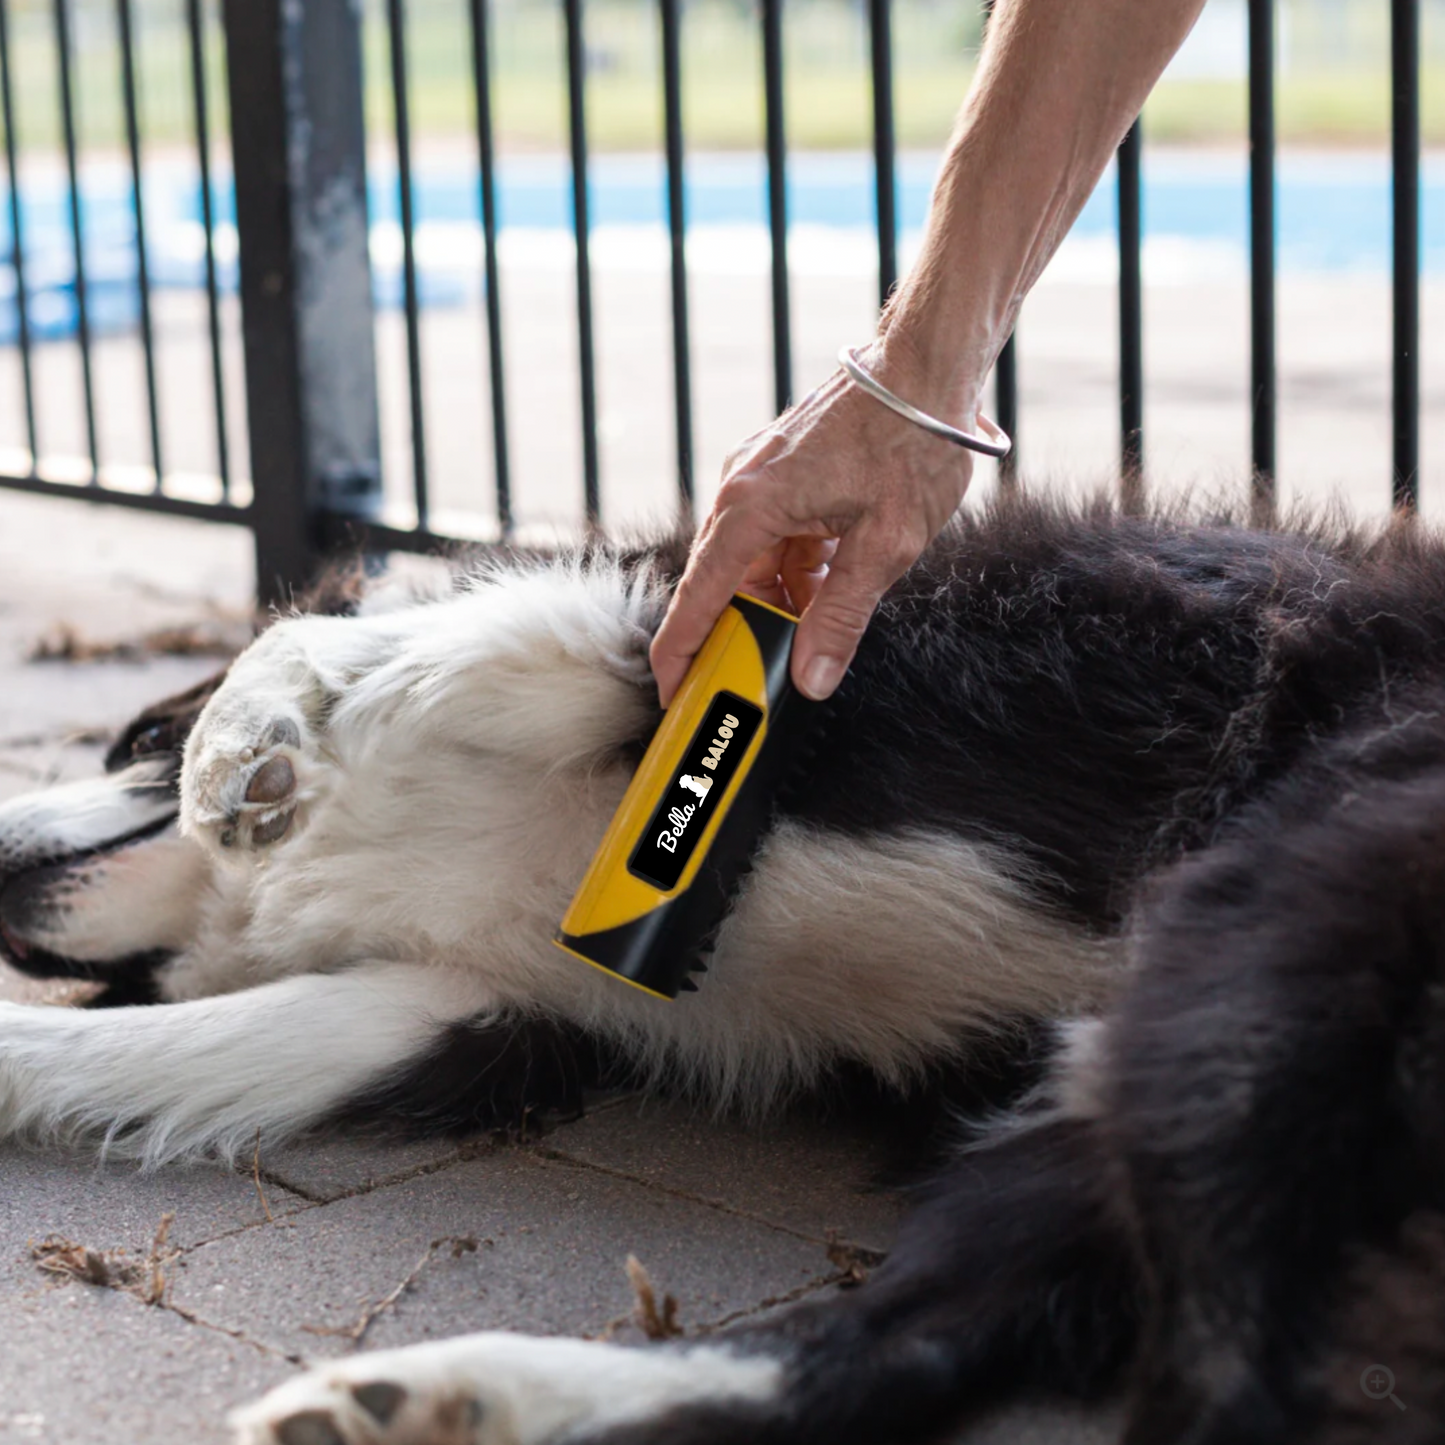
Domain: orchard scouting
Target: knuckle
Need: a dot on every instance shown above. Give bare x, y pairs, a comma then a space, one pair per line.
848, 615
737, 489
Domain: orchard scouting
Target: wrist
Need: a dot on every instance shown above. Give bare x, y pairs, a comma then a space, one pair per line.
939, 368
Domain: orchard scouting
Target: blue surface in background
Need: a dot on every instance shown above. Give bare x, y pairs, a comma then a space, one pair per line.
1333, 216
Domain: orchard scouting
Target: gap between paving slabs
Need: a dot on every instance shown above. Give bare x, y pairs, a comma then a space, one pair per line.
653, 1314
148, 1278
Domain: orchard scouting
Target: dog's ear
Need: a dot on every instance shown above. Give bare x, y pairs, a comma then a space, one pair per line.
163, 727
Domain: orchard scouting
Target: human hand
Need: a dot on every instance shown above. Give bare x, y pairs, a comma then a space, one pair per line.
820, 512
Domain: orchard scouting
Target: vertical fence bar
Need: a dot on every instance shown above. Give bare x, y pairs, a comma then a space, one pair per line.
1131, 318
17, 237
487, 181
142, 262
777, 148
1006, 406
885, 146
677, 232
401, 113
77, 230
1261, 254
1405, 151
195, 19
581, 229
294, 73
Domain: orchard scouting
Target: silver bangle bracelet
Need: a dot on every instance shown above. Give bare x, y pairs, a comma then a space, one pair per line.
995, 442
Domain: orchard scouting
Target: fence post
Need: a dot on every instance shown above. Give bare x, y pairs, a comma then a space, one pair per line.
298, 140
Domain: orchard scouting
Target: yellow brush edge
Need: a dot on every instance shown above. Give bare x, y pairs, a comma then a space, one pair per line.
609, 896
621, 977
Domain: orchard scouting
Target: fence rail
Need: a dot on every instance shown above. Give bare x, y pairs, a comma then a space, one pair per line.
299, 144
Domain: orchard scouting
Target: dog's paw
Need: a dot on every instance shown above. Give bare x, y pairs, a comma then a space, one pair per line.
253, 765
243, 780
422, 1395
497, 1389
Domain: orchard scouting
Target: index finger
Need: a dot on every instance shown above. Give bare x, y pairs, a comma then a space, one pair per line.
719, 561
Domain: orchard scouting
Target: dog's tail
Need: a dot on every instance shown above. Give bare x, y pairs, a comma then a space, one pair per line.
386, 1041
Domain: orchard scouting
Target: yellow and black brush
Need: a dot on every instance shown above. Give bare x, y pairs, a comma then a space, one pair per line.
684, 835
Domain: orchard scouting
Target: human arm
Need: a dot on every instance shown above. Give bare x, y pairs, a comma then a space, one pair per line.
828, 505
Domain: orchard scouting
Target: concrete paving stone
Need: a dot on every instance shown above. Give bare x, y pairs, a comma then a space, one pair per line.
328, 1169
805, 1175
42, 702
552, 1244
115, 1206
87, 1366
111, 576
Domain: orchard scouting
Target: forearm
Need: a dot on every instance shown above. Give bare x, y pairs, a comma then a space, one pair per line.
1057, 86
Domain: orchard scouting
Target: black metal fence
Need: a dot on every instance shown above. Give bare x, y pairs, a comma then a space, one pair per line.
299, 145
156, 496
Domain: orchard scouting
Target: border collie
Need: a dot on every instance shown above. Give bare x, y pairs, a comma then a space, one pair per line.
1175, 790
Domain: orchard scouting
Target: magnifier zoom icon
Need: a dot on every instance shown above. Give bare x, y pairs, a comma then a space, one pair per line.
1377, 1382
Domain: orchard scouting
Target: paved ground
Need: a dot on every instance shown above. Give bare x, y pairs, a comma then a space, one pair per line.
277, 1265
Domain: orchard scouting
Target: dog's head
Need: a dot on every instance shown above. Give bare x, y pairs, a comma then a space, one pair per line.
96, 882
92, 873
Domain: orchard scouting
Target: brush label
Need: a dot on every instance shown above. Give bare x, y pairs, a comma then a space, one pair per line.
708, 765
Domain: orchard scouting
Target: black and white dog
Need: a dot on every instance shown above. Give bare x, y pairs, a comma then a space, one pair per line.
1177, 789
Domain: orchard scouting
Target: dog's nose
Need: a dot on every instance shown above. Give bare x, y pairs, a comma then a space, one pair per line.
11, 946
19, 901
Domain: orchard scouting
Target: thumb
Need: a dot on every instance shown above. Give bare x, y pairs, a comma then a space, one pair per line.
864, 568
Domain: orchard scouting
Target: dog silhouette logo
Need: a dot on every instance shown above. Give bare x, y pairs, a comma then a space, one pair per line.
695, 785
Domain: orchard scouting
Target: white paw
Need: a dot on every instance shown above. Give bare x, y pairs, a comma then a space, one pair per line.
424, 1395
497, 1389
244, 782
254, 762
327, 1409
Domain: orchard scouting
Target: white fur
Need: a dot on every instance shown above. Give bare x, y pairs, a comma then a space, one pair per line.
76, 817
456, 764
159, 1083
149, 895
496, 1389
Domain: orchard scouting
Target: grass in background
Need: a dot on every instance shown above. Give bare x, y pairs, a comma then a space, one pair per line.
1334, 89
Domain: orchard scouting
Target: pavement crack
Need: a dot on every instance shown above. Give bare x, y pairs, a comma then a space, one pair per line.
473, 1149
144, 1280
788, 1297
829, 1240
460, 1244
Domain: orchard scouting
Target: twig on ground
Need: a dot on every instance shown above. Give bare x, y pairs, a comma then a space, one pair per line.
109, 1269
356, 1333
654, 1323
256, 1179
153, 1291
854, 1260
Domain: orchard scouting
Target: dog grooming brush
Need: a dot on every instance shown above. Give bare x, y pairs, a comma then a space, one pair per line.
684, 835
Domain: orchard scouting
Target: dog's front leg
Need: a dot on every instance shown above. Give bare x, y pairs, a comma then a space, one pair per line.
259, 759
210, 1076
501, 1389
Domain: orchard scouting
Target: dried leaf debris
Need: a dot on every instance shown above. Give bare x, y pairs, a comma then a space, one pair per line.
655, 1323
145, 1278
66, 643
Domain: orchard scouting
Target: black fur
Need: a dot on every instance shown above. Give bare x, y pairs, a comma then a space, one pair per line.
1228, 746
509, 1075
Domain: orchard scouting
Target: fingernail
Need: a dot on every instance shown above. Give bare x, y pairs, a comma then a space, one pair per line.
821, 676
